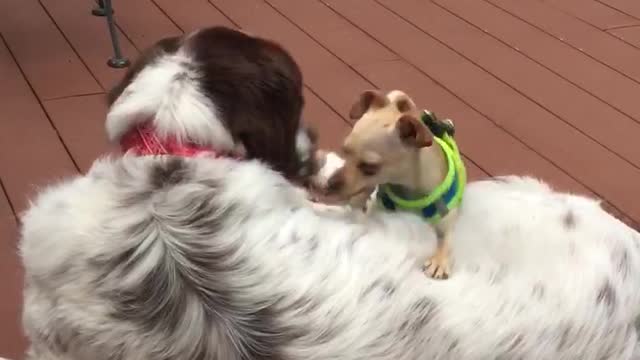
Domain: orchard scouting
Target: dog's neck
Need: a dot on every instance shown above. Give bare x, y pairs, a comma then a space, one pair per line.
424, 172
143, 140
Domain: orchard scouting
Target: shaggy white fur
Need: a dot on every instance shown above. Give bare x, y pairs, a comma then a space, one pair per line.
538, 274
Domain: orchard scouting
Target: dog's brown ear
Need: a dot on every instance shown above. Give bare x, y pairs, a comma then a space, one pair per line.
413, 132
402, 101
368, 99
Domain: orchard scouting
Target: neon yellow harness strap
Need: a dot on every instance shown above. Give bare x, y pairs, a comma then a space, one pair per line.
450, 191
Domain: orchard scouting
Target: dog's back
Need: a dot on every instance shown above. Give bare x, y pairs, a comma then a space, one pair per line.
132, 261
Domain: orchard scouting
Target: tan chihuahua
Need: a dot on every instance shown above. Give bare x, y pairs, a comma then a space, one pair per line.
410, 157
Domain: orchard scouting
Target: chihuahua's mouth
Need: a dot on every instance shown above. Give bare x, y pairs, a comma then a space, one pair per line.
335, 199
358, 192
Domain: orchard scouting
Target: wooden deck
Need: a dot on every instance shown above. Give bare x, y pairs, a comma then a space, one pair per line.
549, 88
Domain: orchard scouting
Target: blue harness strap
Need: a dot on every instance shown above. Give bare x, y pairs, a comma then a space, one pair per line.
431, 210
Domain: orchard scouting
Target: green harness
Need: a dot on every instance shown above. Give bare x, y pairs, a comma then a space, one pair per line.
446, 196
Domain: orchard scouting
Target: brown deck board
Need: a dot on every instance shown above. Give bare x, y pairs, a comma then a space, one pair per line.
329, 77
143, 22
89, 37
630, 35
590, 40
596, 78
351, 45
190, 15
595, 13
12, 343
515, 113
31, 153
536, 82
630, 7
50, 64
332, 129
80, 123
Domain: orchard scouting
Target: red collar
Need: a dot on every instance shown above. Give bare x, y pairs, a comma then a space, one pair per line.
142, 140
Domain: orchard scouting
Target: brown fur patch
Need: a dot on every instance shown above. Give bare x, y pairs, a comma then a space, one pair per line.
403, 105
368, 99
607, 296
413, 132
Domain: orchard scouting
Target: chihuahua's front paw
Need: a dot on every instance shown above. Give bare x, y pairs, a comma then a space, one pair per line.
438, 266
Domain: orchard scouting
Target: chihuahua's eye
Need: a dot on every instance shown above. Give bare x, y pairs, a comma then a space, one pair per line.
368, 169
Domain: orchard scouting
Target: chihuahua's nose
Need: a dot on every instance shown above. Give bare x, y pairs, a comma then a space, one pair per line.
335, 183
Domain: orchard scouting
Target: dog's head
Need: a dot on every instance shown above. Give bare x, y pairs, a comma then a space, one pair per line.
382, 146
220, 88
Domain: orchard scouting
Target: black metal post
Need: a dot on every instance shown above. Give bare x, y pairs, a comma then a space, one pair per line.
117, 61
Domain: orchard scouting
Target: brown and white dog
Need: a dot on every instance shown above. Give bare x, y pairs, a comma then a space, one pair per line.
222, 89
193, 246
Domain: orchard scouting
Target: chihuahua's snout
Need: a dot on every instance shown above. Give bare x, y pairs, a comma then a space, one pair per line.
335, 183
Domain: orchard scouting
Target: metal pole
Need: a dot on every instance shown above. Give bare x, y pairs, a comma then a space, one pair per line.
117, 61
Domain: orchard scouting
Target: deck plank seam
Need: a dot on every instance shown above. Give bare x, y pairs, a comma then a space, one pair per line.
75, 52
351, 66
40, 102
129, 39
236, 24
73, 96
605, 29
575, 16
624, 40
317, 42
153, 2
611, 36
335, 111
5, 193
621, 27
616, 9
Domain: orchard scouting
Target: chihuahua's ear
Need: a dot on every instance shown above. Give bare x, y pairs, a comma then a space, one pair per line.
402, 101
368, 99
413, 132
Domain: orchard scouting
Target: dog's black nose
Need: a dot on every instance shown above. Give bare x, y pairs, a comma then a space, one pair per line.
335, 183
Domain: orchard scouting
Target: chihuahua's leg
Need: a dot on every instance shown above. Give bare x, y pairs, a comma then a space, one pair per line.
438, 266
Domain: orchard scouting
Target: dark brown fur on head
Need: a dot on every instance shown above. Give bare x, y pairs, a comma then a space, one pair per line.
254, 83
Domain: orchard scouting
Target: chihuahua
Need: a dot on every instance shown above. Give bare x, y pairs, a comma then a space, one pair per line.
410, 159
